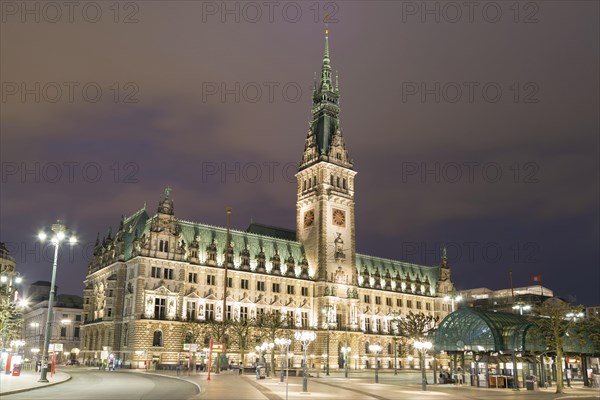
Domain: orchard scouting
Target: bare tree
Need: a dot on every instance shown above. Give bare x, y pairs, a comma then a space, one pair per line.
270, 326
553, 324
217, 331
241, 330
415, 326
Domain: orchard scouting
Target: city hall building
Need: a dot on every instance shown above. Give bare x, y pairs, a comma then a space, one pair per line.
158, 272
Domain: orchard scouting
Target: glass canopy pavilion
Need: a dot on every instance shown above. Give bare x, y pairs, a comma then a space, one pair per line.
500, 348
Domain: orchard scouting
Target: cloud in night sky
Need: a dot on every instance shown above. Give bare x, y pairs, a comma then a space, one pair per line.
542, 133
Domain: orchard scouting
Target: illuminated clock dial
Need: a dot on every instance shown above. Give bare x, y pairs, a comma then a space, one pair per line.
339, 217
309, 218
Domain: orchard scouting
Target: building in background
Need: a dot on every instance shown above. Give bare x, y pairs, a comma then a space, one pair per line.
519, 300
66, 327
159, 272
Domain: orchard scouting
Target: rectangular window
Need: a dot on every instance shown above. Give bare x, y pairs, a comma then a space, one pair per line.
291, 319
419, 305
409, 303
63, 331
85, 317
378, 300
444, 308
109, 313
168, 273
398, 302
155, 272
110, 293
377, 325
260, 286
304, 319
276, 288
159, 308
260, 311
229, 282
367, 324
76, 332
211, 280
304, 291
209, 313
191, 310
388, 302
192, 277
428, 306
78, 318
291, 289
367, 299
245, 284
228, 315
243, 313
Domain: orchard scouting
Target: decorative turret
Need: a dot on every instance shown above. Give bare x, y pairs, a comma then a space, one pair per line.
165, 206
290, 266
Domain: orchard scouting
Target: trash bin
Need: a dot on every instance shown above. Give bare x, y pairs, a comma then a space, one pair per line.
530, 382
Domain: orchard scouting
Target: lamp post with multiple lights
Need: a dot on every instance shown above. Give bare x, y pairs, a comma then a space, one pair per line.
59, 236
283, 346
521, 307
453, 298
422, 347
305, 337
375, 348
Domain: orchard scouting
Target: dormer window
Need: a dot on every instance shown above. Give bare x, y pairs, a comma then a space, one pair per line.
163, 245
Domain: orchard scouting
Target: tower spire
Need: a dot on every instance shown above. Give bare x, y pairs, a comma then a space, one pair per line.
325, 84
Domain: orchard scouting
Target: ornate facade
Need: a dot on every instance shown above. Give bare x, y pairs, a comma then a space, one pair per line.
159, 271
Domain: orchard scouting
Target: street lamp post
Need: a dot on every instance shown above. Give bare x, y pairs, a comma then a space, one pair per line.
453, 297
375, 348
422, 347
521, 307
346, 351
283, 346
305, 337
59, 236
327, 312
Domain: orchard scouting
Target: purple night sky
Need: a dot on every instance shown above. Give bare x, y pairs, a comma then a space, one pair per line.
475, 127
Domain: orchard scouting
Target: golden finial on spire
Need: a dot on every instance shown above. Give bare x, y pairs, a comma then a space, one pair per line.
327, 25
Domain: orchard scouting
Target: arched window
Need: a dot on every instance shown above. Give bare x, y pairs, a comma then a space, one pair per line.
160, 245
389, 346
338, 181
315, 180
166, 246
157, 339
367, 347
189, 338
345, 183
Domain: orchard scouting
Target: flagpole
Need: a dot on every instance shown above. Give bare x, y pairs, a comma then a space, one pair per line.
512, 291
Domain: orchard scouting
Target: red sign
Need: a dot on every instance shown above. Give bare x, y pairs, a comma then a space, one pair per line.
16, 370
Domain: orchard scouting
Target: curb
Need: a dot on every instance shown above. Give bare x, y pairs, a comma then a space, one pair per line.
27, 389
200, 391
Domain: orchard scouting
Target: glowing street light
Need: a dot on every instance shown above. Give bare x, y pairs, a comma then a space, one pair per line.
59, 236
375, 348
422, 347
283, 346
305, 337
521, 307
345, 352
453, 297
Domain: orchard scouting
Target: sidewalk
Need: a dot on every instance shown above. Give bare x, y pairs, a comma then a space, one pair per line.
28, 380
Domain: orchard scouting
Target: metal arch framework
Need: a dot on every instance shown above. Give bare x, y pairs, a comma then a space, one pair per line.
469, 329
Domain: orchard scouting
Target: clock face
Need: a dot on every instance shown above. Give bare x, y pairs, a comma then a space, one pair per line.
309, 218
338, 217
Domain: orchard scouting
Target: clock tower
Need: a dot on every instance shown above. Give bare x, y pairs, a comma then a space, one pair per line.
325, 179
